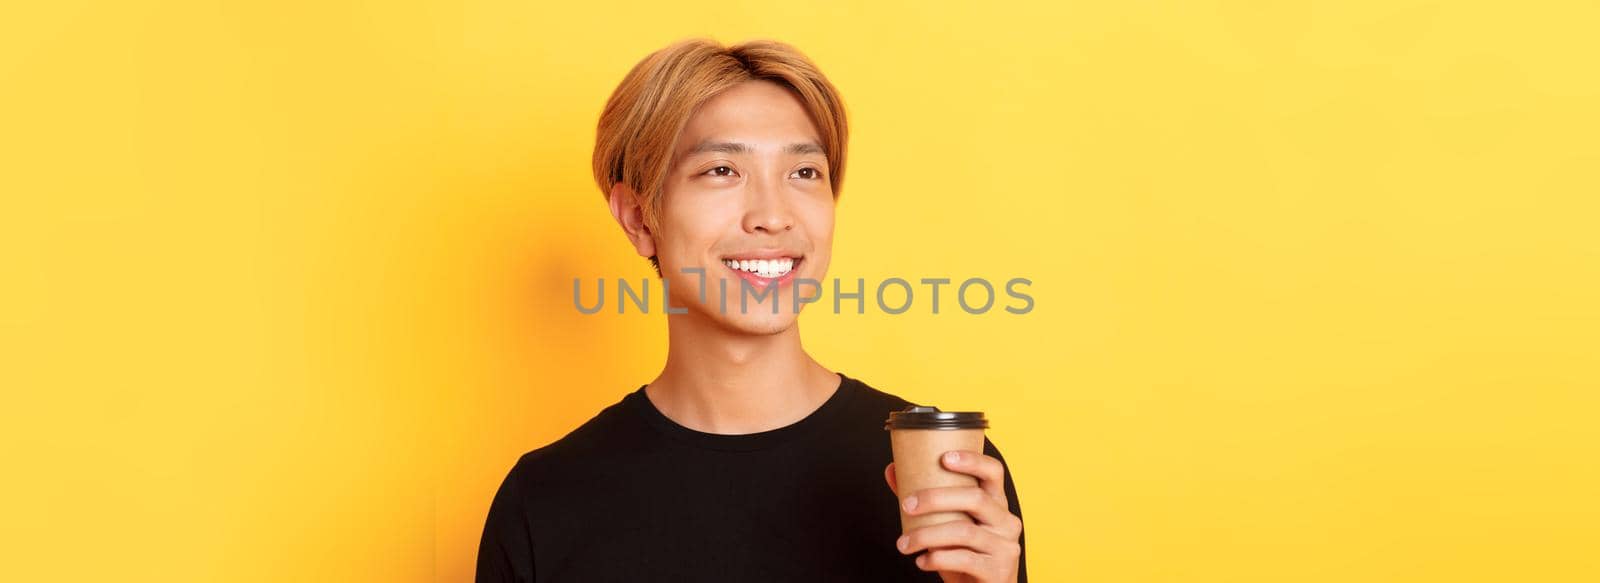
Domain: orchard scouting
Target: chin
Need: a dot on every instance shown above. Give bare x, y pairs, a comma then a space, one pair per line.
756, 323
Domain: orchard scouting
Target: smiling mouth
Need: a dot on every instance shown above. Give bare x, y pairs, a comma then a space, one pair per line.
767, 268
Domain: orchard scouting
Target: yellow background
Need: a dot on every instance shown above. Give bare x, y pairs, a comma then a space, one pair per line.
287, 284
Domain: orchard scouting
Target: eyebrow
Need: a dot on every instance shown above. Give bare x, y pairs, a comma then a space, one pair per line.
804, 148
743, 148
723, 147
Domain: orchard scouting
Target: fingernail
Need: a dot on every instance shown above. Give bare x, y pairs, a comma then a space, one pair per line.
951, 457
911, 502
904, 540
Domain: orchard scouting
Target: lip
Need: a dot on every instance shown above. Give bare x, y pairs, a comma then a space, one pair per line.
761, 283
766, 254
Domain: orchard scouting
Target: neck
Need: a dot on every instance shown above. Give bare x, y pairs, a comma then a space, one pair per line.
724, 381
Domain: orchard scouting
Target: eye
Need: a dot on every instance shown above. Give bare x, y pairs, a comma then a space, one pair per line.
808, 173
720, 171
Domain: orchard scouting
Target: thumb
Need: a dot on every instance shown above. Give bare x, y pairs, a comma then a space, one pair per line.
888, 476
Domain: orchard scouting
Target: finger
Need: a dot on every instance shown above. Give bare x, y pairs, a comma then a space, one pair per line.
958, 533
972, 500
888, 476
955, 561
990, 472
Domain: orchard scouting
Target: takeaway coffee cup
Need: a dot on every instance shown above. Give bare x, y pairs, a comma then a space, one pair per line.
918, 436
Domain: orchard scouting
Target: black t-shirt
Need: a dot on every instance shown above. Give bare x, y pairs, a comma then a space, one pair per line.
632, 496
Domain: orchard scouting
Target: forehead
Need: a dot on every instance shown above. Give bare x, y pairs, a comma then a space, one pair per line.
762, 113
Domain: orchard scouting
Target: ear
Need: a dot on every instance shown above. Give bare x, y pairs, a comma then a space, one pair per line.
625, 208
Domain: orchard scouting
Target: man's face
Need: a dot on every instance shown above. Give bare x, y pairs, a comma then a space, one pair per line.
748, 199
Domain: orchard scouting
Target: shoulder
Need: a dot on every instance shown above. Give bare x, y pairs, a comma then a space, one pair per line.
609, 432
872, 399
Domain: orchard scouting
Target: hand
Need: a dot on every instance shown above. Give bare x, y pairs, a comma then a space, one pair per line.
963, 552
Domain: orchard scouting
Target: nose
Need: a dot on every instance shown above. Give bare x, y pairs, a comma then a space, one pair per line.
768, 210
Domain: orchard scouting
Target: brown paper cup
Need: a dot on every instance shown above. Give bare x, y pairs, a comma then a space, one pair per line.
918, 436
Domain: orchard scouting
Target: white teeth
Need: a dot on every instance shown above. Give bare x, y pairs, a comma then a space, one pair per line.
768, 268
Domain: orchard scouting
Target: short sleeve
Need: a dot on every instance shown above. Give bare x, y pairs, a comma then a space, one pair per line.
505, 553
1016, 508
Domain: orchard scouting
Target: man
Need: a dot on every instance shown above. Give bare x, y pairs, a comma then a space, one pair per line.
745, 459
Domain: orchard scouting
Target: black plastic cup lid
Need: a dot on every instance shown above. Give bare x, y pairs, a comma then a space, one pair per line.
932, 418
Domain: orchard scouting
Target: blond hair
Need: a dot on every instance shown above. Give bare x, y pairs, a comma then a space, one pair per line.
638, 130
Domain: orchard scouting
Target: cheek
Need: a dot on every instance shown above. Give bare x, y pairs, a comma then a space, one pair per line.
690, 226
819, 223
